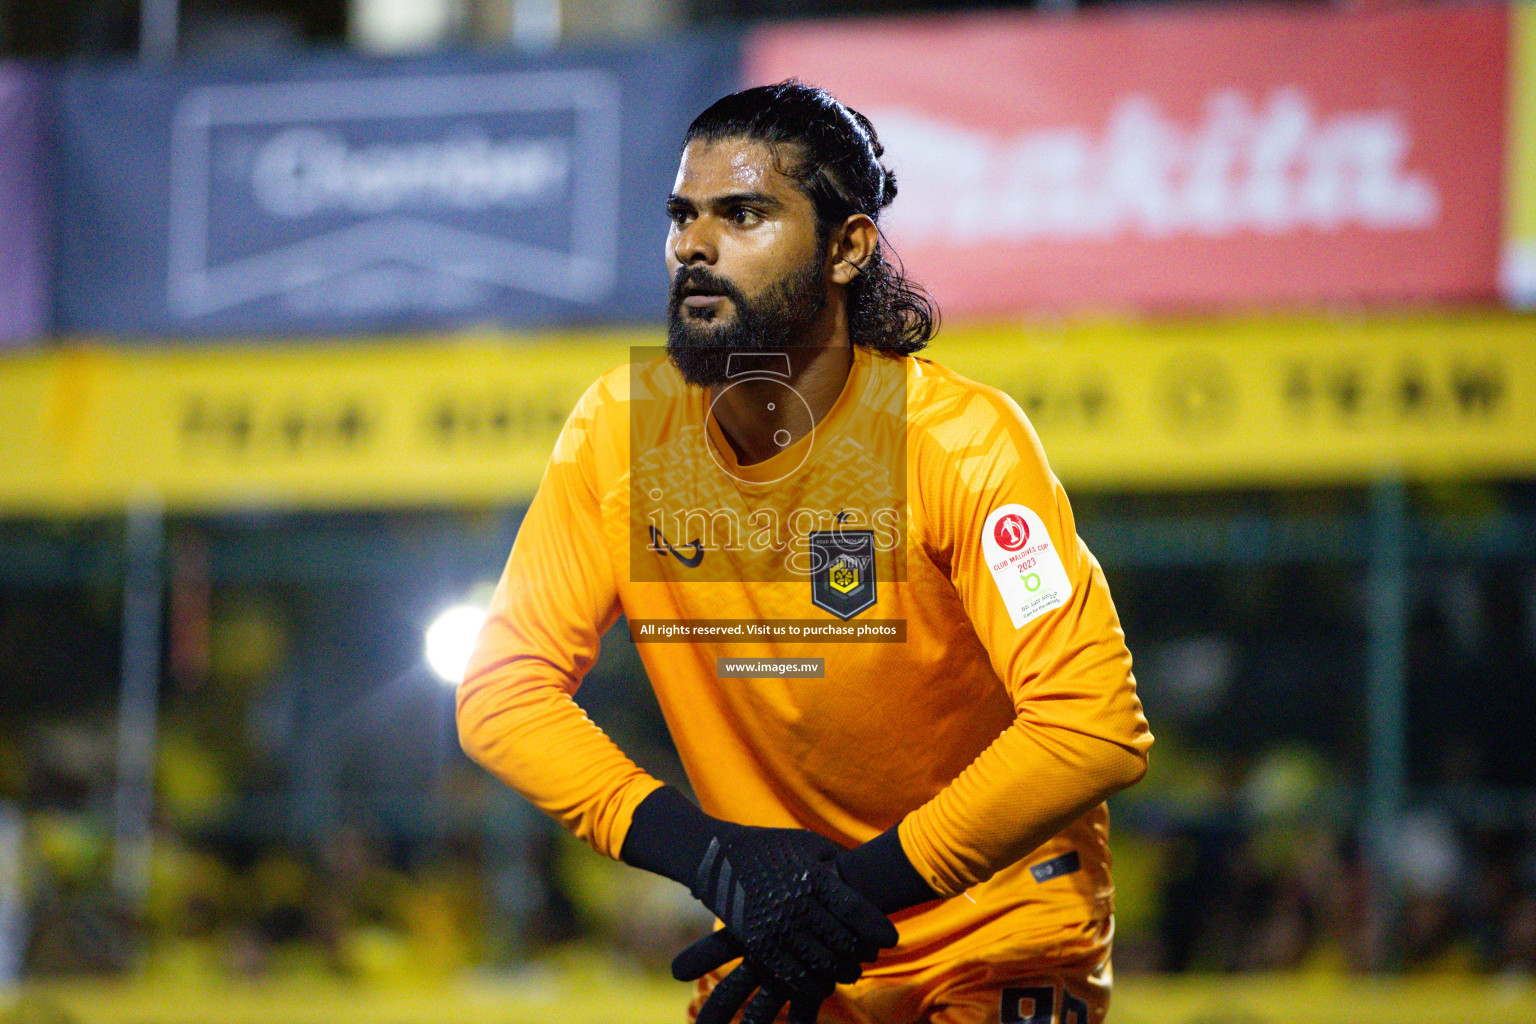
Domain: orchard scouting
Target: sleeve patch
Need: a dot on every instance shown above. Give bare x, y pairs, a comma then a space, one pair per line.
1024, 563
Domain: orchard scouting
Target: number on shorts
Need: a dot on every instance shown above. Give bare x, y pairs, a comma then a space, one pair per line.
1040, 1001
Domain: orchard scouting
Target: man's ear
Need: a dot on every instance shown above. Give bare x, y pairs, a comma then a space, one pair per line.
850, 247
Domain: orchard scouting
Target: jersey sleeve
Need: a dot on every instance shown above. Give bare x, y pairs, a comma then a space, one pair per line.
556, 597
999, 522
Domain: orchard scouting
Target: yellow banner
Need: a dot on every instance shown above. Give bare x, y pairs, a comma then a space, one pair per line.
287, 426
1270, 403
1518, 270
471, 422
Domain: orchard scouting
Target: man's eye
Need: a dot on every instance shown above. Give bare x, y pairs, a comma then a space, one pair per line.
678, 215
743, 215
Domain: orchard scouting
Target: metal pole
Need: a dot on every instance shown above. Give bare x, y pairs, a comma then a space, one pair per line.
159, 27
1386, 700
13, 902
139, 699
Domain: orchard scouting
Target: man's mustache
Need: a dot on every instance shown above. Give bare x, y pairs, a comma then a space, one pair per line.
703, 279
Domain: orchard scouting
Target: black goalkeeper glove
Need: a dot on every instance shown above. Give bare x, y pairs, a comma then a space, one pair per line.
878, 870
776, 890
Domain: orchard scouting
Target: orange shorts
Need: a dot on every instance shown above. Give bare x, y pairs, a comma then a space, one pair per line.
1068, 986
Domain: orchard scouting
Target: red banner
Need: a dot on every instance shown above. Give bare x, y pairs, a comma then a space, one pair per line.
1177, 160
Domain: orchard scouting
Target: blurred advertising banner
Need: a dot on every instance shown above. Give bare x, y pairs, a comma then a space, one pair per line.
339, 195
24, 209
369, 424
1249, 158
1518, 272
1268, 402
423, 423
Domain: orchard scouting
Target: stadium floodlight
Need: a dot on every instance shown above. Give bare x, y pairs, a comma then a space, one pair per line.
451, 638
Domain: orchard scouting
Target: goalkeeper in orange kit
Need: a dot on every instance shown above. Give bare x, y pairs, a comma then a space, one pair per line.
893, 672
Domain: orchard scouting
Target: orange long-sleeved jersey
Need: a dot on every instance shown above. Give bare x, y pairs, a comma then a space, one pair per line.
993, 733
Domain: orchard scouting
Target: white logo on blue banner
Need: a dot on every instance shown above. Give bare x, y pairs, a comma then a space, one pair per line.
425, 192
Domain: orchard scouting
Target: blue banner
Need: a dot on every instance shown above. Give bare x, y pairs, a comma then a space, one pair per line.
343, 195
25, 209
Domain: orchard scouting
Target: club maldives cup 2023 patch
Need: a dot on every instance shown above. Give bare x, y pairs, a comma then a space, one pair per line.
1024, 563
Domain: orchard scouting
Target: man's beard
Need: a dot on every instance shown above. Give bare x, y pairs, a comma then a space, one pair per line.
779, 319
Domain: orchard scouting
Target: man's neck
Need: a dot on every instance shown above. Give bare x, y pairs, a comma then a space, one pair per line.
760, 416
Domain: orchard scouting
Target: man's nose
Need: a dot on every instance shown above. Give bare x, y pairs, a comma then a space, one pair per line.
695, 243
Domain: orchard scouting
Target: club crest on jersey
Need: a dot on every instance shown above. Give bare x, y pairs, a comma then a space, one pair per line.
843, 571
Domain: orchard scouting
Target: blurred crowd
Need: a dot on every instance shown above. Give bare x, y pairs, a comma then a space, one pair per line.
1270, 872
1221, 867
362, 900
312, 811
